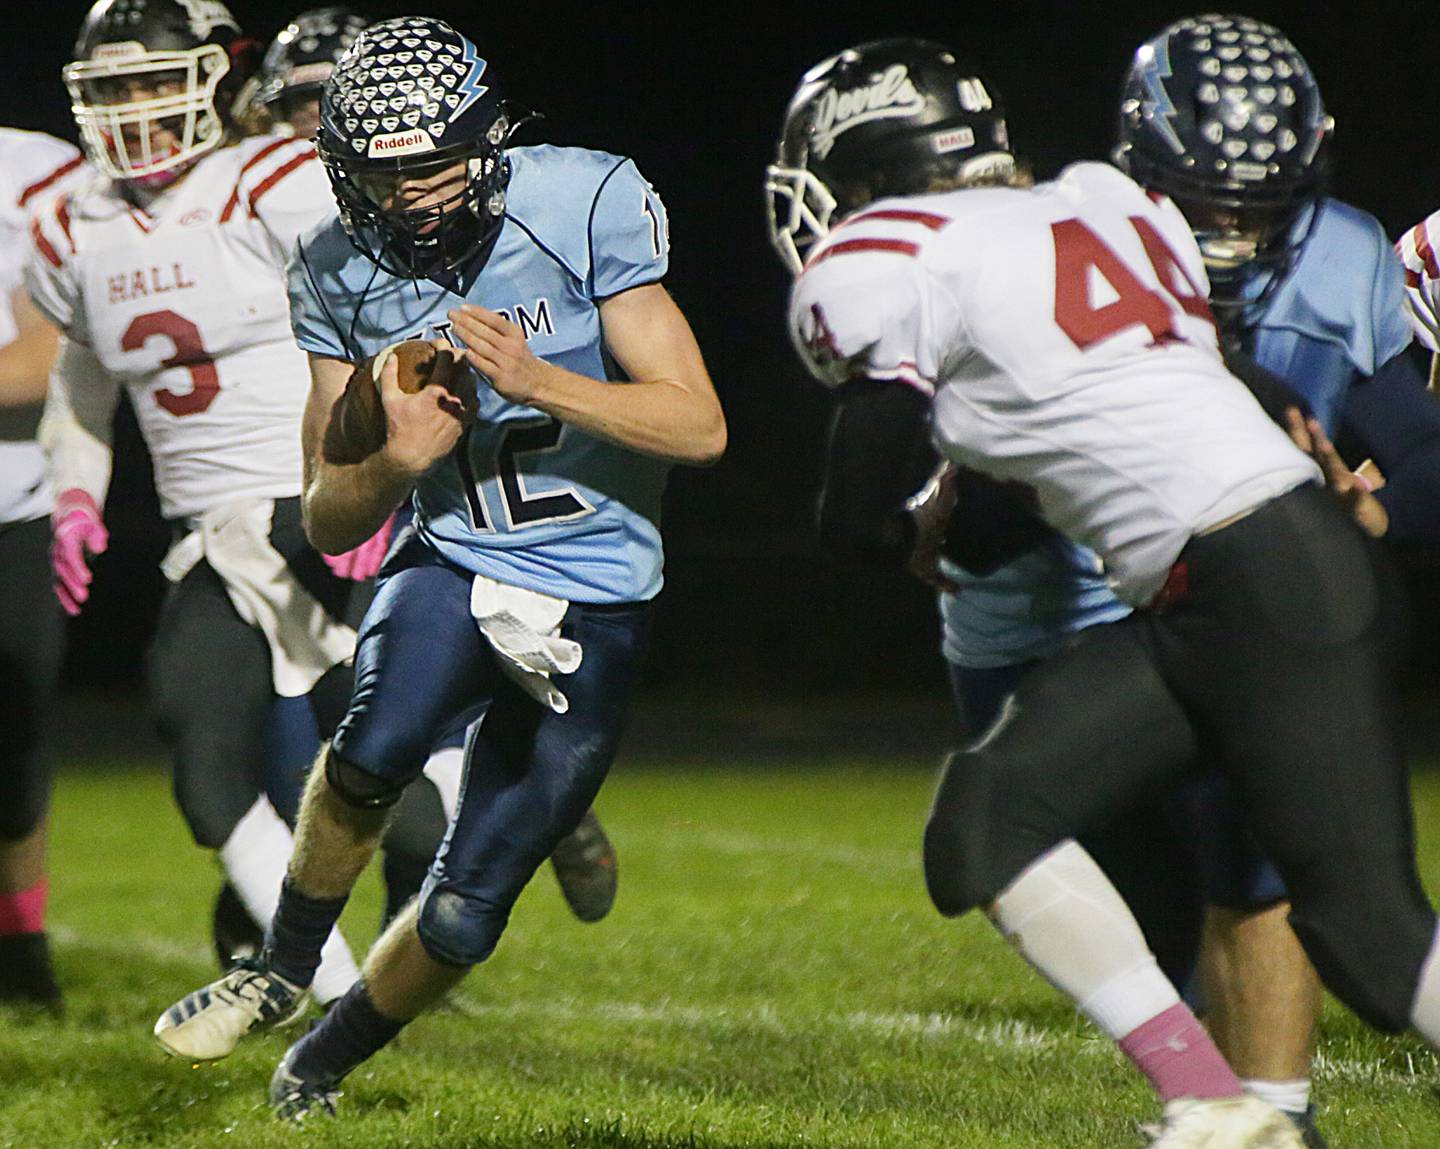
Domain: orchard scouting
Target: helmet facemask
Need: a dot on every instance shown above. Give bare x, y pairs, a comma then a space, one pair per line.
439, 238
120, 130
801, 207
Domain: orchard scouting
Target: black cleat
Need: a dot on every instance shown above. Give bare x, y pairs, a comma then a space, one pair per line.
1309, 1133
27, 976
237, 935
294, 1099
587, 869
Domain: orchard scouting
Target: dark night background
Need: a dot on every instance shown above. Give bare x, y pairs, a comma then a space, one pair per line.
696, 98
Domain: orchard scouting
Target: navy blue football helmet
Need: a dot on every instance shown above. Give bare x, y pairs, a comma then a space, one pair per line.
883, 118
1223, 115
410, 99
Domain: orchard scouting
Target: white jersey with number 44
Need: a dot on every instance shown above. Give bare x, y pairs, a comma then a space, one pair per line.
1064, 334
183, 302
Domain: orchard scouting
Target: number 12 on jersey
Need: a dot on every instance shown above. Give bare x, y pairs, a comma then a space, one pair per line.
522, 508
1080, 254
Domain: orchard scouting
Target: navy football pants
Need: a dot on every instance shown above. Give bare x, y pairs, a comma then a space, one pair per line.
530, 774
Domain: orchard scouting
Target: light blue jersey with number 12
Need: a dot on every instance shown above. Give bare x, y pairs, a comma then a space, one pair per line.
524, 499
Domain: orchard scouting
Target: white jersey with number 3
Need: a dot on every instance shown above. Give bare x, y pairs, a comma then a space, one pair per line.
1064, 333
183, 302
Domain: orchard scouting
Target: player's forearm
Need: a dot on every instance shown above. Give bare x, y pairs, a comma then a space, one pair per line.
25, 371
345, 505
660, 417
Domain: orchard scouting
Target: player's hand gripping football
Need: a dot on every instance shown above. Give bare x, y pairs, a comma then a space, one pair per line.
422, 426
497, 349
414, 410
930, 509
77, 532
1353, 491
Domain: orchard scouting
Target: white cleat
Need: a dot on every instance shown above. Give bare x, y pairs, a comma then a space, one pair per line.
209, 1023
1226, 1123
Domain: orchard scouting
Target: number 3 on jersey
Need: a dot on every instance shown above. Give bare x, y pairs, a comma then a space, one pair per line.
1081, 255
190, 354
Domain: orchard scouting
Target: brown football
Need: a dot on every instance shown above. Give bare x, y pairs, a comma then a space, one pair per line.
357, 421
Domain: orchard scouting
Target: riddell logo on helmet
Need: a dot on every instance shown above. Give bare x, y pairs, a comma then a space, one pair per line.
401, 143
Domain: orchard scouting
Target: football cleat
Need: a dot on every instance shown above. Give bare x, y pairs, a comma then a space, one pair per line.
27, 977
1226, 1123
294, 1099
207, 1024
587, 869
1309, 1133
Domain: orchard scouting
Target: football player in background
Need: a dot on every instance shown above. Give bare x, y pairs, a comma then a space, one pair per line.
165, 276
33, 167
524, 583
1059, 340
1224, 116
1422, 288
284, 93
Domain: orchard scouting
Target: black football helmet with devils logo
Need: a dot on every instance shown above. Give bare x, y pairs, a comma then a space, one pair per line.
891, 117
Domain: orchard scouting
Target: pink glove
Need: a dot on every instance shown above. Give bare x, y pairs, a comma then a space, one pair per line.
364, 560
76, 532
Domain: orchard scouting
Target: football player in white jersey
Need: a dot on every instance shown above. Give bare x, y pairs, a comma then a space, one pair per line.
33, 167
1059, 339
164, 276
1422, 287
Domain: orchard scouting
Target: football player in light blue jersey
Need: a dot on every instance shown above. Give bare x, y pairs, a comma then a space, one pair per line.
523, 584
1310, 289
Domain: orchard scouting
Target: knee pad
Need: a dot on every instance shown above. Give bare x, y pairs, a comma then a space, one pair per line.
359, 788
458, 930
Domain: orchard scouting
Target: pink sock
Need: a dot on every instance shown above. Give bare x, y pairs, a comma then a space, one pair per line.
1178, 1057
23, 912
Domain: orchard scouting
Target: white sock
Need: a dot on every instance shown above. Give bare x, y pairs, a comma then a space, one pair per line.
1287, 1096
255, 856
1068, 921
1425, 1012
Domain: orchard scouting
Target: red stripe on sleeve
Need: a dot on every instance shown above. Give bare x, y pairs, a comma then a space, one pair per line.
1412, 278
899, 215
42, 245
58, 174
854, 246
1421, 235
62, 217
277, 175
268, 150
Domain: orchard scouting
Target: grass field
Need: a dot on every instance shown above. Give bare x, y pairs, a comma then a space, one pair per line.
772, 976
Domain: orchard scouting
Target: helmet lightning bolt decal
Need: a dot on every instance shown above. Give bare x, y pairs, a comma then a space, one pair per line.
470, 87
1154, 71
